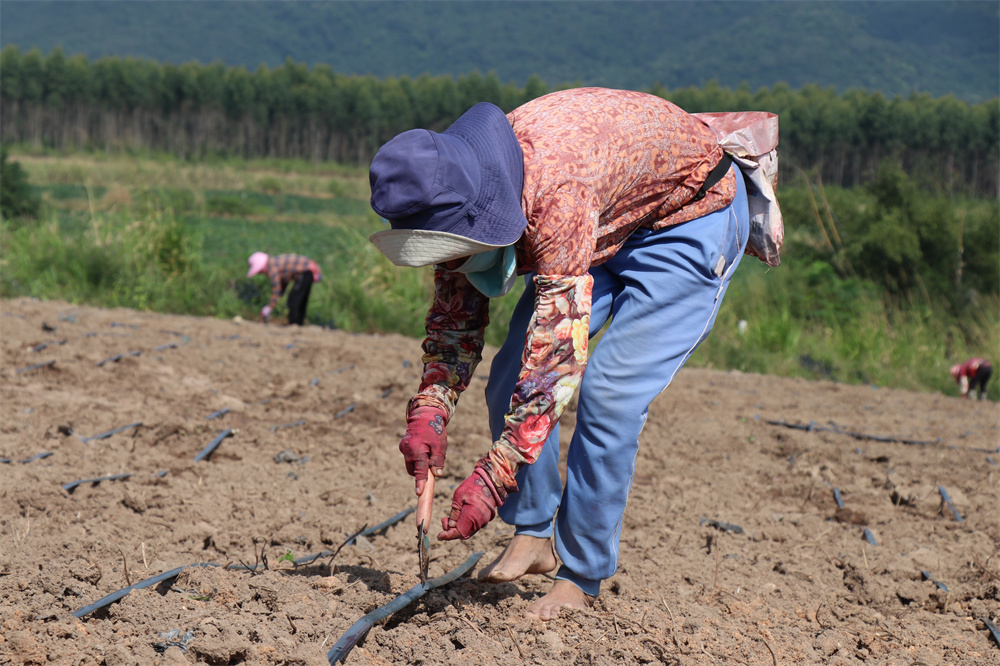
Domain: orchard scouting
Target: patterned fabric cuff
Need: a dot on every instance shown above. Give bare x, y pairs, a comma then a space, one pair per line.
487, 468
426, 402
497, 496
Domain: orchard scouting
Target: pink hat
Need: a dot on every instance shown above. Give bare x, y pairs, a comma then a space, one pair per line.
955, 369
258, 263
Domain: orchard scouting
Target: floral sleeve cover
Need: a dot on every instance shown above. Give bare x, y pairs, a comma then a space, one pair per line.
454, 344
555, 355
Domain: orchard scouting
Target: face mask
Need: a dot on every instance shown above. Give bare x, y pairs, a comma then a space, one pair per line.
492, 272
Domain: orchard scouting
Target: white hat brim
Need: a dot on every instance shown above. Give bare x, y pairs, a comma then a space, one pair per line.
419, 247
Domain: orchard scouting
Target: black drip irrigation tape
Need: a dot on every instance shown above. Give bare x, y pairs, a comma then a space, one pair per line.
866, 533
288, 425
344, 412
173, 573
118, 357
381, 527
215, 415
993, 630
35, 366
149, 582
718, 524
946, 499
37, 456
45, 345
927, 576
170, 345
206, 452
360, 629
833, 427
105, 435
72, 485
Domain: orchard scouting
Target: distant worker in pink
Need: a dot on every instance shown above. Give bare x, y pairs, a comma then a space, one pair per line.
972, 374
283, 269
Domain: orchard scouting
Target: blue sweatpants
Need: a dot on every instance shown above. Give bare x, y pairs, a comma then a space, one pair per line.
661, 292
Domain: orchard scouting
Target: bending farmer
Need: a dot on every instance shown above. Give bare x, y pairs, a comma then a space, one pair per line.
975, 372
281, 270
613, 206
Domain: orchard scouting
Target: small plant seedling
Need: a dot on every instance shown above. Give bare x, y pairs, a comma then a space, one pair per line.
287, 557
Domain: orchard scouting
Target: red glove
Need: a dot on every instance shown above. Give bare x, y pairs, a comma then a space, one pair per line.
474, 504
425, 442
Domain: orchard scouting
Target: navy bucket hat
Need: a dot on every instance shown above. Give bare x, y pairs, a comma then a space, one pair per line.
450, 194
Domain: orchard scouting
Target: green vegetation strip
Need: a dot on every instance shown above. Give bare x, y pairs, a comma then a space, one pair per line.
361, 628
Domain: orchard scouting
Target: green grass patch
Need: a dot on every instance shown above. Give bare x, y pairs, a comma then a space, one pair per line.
170, 236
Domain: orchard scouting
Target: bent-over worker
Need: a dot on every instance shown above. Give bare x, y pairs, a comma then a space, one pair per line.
281, 270
616, 206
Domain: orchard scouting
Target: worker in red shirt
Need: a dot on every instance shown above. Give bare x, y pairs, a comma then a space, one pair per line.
972, 374
282, 270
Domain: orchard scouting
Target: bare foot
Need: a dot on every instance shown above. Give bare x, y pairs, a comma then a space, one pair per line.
563, 594
523, 555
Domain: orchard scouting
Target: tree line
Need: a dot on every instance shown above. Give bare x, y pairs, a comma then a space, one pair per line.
191, 110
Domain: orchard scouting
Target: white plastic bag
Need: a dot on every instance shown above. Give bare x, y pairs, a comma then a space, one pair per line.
751, 138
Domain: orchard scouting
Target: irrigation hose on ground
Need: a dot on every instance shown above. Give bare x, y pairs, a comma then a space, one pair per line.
361, 628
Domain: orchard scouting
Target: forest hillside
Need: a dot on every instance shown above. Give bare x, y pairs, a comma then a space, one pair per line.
897, 48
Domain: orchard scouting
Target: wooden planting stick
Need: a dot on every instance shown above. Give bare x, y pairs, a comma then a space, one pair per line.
425, 507
360, 629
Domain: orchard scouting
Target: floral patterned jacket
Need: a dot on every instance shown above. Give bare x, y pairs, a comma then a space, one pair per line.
598, 164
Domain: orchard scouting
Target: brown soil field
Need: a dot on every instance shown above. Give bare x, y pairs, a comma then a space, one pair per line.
871, 537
